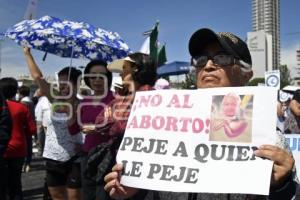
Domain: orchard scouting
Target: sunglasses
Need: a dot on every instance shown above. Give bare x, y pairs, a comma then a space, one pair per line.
219, 59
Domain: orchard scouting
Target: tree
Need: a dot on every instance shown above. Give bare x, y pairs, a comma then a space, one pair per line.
256, 81
190, 81
285, 76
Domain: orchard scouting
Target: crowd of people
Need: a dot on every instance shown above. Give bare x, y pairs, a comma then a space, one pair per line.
73, 134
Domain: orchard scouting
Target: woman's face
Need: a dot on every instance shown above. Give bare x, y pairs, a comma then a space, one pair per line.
127, 69
97, 74
212, 75
230, 106
66, 87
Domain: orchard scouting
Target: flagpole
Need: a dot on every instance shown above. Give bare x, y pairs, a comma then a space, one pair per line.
31, 9
71, 62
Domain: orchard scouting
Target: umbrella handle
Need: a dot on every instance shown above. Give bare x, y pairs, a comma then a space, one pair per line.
71, 63
44, 58
72, 52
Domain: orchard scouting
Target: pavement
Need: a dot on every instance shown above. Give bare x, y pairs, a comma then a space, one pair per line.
34, 180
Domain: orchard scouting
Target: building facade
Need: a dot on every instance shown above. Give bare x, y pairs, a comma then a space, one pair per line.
260, 47
296, 70
266, 16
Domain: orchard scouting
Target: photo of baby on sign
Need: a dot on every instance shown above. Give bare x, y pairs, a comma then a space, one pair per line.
231, 118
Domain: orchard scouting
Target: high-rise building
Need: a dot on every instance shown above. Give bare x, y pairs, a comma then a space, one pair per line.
265, 16
296, 70
298, 57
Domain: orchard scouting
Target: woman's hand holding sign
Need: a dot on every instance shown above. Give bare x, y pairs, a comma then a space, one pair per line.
283, 162
114, 187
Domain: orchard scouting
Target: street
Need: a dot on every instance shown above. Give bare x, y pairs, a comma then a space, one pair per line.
33, 181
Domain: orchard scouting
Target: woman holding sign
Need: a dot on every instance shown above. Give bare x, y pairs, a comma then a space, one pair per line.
221, 60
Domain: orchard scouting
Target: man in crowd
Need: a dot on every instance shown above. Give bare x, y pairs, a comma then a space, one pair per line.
24, 92
5, 125
221, 60
292, 120
23, 126
42, 109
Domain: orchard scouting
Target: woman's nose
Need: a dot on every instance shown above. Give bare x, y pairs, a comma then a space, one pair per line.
209, 65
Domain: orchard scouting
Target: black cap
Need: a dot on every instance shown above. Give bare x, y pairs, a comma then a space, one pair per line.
297, 95
230, 42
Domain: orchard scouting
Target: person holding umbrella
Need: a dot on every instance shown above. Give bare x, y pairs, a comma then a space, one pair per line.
62, 172
221, 60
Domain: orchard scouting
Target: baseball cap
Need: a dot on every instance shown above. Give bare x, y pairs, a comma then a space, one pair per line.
228, 41
117, 65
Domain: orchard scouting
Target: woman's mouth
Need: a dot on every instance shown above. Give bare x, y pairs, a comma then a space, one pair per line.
209, 77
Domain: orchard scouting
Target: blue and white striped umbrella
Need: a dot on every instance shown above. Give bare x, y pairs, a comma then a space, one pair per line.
68, 39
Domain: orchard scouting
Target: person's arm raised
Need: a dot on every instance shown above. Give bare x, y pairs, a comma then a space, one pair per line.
36, 73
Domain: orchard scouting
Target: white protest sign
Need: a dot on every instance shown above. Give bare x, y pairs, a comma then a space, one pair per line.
294, 142
272, 79
199, 140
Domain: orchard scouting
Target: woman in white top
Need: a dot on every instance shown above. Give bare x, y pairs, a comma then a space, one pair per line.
62, 174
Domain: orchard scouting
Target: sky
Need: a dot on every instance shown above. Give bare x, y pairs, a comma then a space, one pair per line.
178, 20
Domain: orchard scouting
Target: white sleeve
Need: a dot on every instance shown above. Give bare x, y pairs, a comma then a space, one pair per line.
38, 112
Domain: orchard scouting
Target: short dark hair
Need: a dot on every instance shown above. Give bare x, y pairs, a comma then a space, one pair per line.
297, 95
74, 74
97, 63
9, 87
146, 69
24, 91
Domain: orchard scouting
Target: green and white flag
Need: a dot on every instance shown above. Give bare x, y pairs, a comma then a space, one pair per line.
151, 46
161, 56
153, 43
146, 46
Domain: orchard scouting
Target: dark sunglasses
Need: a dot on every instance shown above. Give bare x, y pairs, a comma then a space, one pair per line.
219, 59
